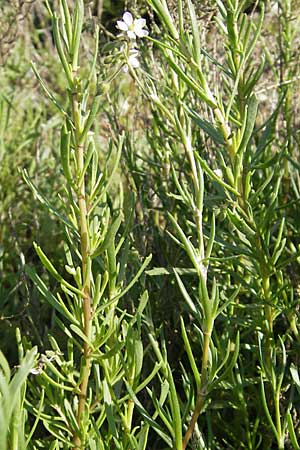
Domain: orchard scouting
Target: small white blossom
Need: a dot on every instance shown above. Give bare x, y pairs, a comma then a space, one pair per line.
50, 356
37, 371
132, 27
219, 173
132, 61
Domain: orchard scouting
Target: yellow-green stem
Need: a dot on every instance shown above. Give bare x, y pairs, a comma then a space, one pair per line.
202, 392
269, 317
129, 415
84, 243
197, 188
278, 420
294, 328
226, 133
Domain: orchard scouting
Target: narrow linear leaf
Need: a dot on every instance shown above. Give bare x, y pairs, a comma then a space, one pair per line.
109, 237
195, 32
91, 117
60, 51
164, 13
147, 417
48, 93
292, 433
266, 408
250, 123
189, 351
158, 271
186, 295
56, 304
65, 154
186, 243
129, 286
43, 200
49, 266
37, 418
215, 177
81, 334
206, 126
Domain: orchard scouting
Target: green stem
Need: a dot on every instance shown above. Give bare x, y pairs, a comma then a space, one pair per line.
294, 328
226, 133
129, 415
85, 251
197, 179
202, 392
269, 317
280, 437
15, 424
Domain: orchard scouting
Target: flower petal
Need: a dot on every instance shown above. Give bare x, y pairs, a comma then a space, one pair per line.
139, 23
35, 371
134, 53
128, 19
131, 34
133, 61
122, 25
141, 33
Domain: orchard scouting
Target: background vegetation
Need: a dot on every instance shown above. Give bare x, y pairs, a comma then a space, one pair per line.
207, 182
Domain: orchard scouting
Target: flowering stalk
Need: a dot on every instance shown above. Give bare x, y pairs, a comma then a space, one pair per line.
80, 148
131, 29
107, 341
79, 134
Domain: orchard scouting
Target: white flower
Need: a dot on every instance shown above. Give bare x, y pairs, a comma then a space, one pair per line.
132, 27
132, 61
36, 371
219, 173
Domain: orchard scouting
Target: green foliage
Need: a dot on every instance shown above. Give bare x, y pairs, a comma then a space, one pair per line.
183, 145
12, 397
